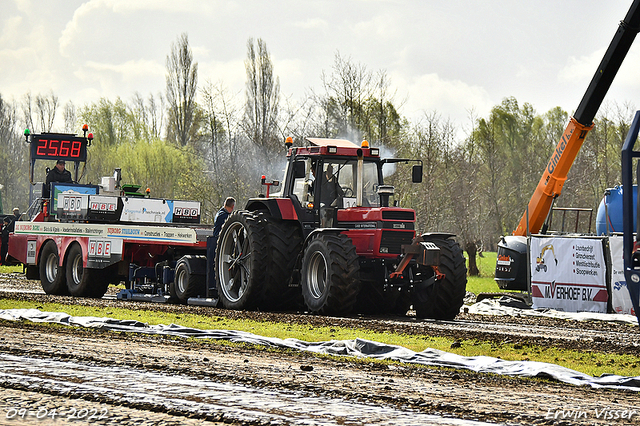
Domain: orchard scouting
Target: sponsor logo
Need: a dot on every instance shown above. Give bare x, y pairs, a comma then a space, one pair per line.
104, 207
99, 248
72, 204
186, 212
559, 150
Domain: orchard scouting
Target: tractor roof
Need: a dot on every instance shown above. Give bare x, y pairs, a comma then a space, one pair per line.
342, 143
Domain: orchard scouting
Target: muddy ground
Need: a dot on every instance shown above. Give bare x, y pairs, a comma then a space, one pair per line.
406, 392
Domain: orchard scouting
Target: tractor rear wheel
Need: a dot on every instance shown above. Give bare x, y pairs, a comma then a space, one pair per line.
241, 261
330, 282
285, 243
51, 273
443, 299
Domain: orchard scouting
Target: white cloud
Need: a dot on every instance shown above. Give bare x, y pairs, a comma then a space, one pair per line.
582, 68
311, 23
379, 27
89, 12
72, 29
231, 73
23, 5
452, 99
11, 28
130, 70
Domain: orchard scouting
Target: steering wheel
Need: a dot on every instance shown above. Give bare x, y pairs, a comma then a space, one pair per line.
348, 192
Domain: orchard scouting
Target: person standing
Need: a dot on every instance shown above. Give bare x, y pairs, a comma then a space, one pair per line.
220, 219
222, 215
4, 243
14, 218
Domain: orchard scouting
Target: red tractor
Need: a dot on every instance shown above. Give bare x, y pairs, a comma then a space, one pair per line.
329, 239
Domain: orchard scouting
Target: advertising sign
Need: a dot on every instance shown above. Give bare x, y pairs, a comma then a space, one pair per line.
146, 210
620, 298
186, 211
568, 274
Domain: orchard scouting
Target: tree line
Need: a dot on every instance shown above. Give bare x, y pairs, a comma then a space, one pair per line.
199, 141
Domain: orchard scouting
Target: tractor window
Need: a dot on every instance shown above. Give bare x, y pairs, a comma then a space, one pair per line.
370, 197
344, 194
303, 187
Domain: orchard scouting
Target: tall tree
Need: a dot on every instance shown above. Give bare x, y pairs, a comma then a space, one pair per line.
70, 118
13, 157
182, 83
348, 87
263, 98
46, 108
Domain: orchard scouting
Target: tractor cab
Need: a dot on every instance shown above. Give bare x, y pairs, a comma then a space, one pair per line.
331, 175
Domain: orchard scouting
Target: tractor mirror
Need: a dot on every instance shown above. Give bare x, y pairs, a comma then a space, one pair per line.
299, 169
416, 173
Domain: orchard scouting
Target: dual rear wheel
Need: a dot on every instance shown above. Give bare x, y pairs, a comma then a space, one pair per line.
72, 277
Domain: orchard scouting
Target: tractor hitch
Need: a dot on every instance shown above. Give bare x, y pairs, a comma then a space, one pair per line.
424, 252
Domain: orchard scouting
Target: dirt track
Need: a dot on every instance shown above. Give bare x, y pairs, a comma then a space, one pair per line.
401, 394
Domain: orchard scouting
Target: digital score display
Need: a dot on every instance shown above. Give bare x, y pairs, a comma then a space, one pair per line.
50, 146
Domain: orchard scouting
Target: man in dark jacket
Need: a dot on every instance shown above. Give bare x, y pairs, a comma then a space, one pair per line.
16, 216
57, 174
222, 215
4, 243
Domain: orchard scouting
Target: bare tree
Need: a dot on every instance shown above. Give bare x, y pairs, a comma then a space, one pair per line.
27, 110
46, 108
70, 117
182, 82
263, 95
347, 88
13, 157
43, 107
156, 114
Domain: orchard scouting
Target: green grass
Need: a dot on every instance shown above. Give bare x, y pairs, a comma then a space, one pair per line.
484, 283
592, 363
9, 269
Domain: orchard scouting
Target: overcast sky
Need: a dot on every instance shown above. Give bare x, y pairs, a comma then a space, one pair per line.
448, 56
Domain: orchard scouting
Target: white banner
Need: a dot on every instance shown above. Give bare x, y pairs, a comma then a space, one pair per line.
620, 298
146, 210
568, 274
126, 232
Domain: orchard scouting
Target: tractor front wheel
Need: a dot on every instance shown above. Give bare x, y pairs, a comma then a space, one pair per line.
330, 282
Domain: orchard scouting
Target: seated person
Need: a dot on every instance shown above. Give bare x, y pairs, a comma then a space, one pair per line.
57, 174
330, 190
330, 193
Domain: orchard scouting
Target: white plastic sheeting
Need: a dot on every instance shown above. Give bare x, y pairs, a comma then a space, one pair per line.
355, 348
498, 307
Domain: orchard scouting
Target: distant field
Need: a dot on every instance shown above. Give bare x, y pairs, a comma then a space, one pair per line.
484, 283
